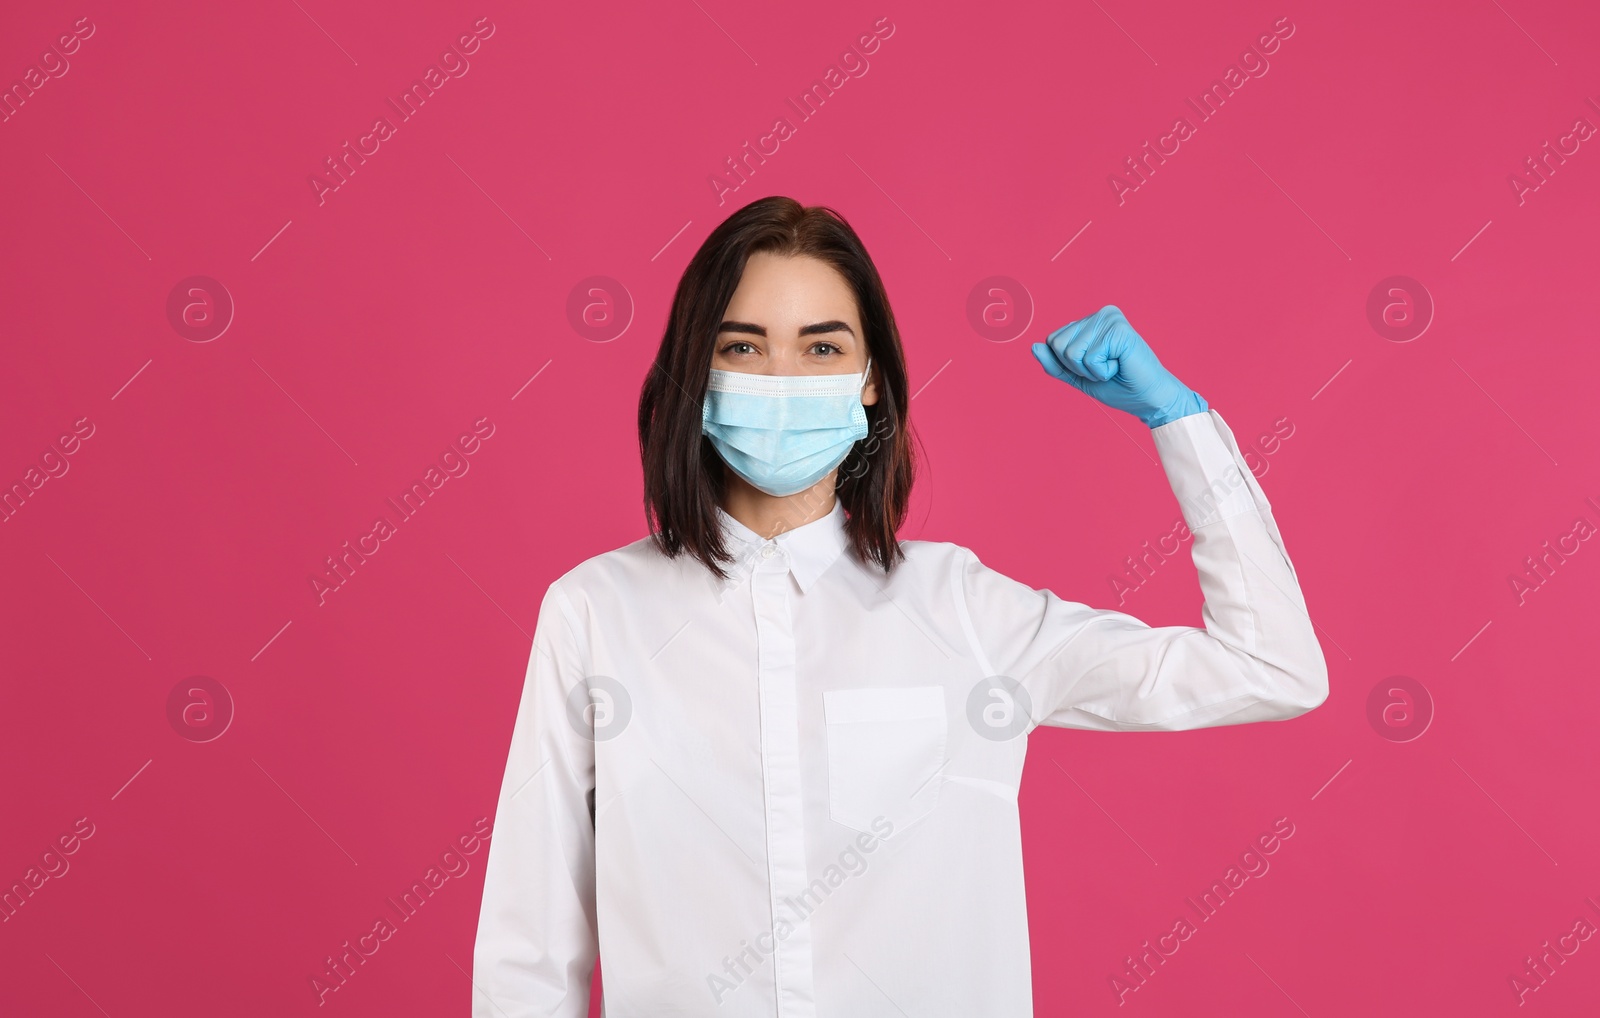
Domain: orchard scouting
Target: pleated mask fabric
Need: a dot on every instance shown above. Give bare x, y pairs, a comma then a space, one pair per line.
783, 433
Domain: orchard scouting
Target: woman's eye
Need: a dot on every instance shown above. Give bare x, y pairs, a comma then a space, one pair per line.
827, 346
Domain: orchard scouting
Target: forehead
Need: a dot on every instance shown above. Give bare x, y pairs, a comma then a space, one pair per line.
778, 289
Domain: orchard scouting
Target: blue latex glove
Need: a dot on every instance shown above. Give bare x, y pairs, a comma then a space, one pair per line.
1101, 355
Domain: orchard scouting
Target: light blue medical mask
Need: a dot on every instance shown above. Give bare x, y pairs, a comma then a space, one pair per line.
783, 433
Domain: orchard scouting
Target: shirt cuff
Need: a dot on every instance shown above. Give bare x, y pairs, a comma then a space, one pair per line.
1207, 472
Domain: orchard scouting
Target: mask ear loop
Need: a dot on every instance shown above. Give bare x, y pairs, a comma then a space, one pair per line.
865, 374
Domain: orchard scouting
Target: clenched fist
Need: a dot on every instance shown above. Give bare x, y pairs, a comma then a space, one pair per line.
1101, 355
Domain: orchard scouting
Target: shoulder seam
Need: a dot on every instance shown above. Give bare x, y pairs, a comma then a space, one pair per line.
569, 615
959, 595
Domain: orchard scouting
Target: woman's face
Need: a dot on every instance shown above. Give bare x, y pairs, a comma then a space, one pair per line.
792, 316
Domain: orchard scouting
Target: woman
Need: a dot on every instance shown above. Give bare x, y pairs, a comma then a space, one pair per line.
766, 759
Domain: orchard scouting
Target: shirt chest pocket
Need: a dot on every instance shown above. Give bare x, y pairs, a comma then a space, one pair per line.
886, 747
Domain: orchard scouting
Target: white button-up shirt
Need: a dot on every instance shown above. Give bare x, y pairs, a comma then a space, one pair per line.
794, 793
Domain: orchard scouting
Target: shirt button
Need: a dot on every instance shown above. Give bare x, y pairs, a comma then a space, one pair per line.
768, 550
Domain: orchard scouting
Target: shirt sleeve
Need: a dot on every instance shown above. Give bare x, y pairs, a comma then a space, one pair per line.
1256, 658
537, 941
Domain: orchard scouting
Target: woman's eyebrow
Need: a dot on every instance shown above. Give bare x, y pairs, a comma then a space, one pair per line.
808, 330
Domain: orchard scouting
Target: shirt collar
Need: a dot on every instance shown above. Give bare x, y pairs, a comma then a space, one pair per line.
809, 548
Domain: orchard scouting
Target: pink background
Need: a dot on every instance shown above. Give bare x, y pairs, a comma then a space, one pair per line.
372, 328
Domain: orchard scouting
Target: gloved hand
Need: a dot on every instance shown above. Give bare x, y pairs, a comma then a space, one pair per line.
1101, 355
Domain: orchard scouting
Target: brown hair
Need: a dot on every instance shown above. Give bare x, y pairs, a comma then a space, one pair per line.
684, 476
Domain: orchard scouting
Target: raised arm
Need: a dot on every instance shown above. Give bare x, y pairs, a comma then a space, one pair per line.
537, 941
1256, 658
